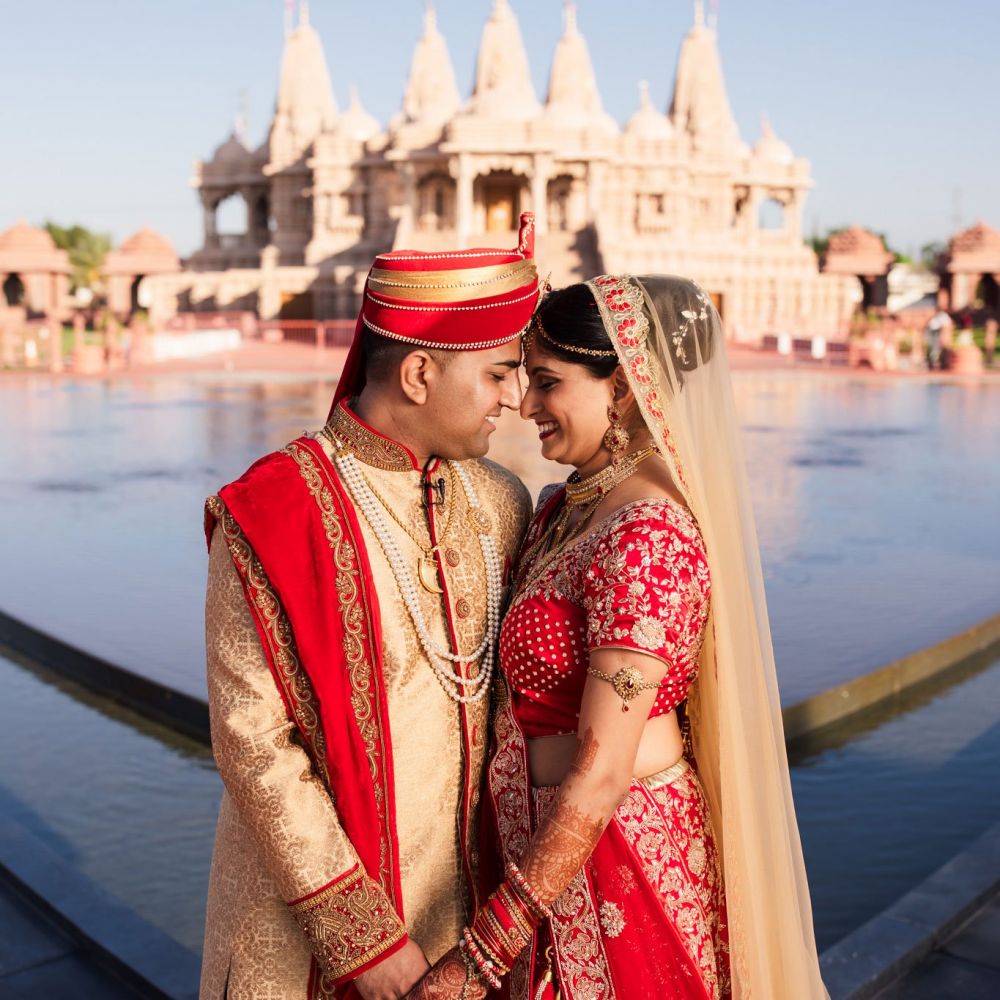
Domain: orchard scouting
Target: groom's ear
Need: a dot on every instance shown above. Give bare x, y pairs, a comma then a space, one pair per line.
416, 370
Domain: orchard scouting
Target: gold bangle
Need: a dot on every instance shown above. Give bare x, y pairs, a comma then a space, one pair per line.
628, 683
516, 908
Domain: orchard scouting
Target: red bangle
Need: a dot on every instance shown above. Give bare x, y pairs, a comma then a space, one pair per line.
518, 909
499, 932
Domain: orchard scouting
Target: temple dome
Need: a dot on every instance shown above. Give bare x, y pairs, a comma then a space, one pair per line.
230, 151
28, 248
148, 241
647, 122
356, 123
574, 99
431, 92
856, 240
503, 79
700, 107
770, 148
144, 252
27, 239
856, 251
977, 237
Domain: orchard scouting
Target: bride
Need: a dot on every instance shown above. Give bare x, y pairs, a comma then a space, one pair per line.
638, 787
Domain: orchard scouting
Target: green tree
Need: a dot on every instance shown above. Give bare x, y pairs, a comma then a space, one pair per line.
86, 250
929, 254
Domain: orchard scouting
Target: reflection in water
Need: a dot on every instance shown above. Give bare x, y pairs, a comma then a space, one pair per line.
873, 500
885, 801
123, 801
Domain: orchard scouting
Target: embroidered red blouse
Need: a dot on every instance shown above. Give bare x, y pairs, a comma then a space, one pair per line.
638, 580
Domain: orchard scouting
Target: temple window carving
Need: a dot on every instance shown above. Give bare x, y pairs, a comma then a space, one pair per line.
436, 203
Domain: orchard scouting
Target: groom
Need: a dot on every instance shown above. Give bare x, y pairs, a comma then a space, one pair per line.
355, 586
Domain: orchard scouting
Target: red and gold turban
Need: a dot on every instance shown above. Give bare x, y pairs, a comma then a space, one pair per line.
465, 300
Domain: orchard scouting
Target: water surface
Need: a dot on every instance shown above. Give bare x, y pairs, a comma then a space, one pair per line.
875, 501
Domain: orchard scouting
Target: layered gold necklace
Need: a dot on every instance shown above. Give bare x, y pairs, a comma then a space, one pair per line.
582, 496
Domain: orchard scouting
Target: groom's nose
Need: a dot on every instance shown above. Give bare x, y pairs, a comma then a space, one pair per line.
510, 395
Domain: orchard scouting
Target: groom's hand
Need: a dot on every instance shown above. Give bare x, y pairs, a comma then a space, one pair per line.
394, 977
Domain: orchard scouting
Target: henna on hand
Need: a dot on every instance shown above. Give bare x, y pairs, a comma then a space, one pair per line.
560, 847
568, 834
449, 979
586, 753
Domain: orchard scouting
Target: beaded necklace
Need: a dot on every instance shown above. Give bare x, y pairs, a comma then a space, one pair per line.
426, 564
583, 495
462, 689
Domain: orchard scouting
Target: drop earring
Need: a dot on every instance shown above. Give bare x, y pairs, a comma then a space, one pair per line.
616, 438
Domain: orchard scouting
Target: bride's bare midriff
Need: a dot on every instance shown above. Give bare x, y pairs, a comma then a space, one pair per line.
550, 757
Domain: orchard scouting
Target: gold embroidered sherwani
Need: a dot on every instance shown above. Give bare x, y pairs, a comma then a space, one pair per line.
280, 838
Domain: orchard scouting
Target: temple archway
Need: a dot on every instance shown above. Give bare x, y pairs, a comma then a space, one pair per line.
987, 295
135, 298
263, 223
499, 198
13, 290
231, 218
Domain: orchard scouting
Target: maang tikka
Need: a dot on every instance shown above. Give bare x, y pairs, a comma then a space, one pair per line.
616, 438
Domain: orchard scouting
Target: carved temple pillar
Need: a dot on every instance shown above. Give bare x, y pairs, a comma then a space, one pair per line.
208, 215
409, 213
463, 199
540, 193
596, 171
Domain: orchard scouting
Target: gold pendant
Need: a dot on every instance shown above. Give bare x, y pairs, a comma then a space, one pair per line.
479, 520
427, 571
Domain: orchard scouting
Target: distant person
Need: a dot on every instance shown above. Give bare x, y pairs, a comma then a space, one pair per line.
638, 864
355, 586
934, 335
990, 339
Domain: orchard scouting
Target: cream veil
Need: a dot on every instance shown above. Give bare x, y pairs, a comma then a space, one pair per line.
669, 340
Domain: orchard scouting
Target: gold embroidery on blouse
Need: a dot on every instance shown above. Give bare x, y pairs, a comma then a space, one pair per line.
373, 449
277, 630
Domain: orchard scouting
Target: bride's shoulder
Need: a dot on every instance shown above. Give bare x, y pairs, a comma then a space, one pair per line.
655, 522
545, 495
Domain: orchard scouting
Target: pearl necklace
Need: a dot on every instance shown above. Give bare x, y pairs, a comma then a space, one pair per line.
453, 682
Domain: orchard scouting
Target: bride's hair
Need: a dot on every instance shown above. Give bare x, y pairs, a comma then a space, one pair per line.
571, 316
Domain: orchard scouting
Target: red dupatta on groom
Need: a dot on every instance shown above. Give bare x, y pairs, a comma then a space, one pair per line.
327, 666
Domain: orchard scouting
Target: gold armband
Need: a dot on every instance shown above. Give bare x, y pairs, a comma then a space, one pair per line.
628, 683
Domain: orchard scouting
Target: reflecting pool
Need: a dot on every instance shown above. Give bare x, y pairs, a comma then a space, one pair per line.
875, 500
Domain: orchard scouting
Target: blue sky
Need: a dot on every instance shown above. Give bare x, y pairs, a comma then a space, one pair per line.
107, 104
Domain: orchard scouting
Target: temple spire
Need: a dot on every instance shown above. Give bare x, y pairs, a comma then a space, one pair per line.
700, 107
431, 94
569, 17
305, 105
503, 80
574, 99
699, 13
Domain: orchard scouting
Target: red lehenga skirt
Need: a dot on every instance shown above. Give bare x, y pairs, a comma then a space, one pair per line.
646, 916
